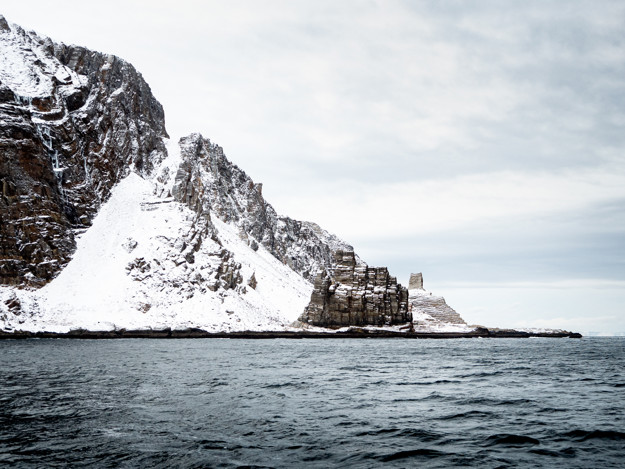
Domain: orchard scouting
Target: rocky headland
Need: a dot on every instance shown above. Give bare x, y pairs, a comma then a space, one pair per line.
353, 294
110, 230
428, 309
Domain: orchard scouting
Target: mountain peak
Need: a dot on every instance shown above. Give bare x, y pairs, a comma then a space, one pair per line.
4, 25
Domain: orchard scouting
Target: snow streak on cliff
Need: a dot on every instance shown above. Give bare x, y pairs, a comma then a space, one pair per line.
73, 123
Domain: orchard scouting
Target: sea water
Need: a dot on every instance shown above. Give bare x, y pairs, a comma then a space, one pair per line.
313, 403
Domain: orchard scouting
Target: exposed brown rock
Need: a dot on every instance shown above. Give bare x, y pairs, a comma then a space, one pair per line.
252, 282
210, 184
62, 151
415, 282
4, 26
356, 295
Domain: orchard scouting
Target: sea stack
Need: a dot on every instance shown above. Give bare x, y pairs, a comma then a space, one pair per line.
415, 282
356, 295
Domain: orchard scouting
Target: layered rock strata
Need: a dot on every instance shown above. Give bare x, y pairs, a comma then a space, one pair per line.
354, 294
73, 123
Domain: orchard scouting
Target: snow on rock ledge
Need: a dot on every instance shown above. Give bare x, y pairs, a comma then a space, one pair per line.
431, 312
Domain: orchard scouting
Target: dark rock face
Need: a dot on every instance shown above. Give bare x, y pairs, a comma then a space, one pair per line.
72, 124
207, 181
356, 295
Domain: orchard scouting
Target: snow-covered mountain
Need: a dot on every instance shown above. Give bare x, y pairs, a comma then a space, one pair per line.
107, 224
159, 234
150, 262
73, 123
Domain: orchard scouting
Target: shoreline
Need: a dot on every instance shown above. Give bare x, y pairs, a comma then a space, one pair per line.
355, 333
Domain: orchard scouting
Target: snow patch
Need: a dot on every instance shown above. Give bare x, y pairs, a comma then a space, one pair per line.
128, 272
27, 69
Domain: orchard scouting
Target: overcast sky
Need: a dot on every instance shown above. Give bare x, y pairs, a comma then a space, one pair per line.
480, 142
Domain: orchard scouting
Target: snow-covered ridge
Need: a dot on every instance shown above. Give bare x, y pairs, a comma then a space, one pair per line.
27, 68
130, 272
207, 181
109, 226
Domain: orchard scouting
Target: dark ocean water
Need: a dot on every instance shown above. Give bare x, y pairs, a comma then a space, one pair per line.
313, 403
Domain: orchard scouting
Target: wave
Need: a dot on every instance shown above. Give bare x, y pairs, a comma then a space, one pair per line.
509, 439
468, 415
494, 402
482, 374
414, 453
428, 383
422, 435
563, 453
584, 435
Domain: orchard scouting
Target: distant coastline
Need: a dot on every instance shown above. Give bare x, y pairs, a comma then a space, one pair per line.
353, 333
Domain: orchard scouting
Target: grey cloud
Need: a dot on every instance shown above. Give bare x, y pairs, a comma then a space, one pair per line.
583, 244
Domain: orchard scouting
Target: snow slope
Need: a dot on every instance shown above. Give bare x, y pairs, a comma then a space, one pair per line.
127, 272
430, 313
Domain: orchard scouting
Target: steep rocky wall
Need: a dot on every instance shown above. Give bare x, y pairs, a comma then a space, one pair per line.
356, 295
207, 182
73, 122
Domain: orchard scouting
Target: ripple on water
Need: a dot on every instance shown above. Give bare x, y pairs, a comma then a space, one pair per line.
339, 403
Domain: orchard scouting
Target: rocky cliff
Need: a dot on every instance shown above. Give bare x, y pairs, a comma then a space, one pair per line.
109, 225
353, 294
73, 123
207, 182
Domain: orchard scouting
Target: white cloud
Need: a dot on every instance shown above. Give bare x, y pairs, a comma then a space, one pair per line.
577, 309
439, 205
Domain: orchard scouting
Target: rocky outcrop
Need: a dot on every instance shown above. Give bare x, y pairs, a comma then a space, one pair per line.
354, 294
415, 282
73, 123
427, 308
208, 182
